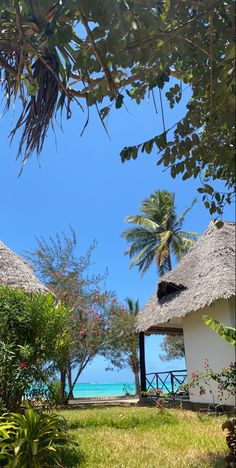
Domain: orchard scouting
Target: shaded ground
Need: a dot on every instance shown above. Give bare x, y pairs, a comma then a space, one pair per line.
137, 437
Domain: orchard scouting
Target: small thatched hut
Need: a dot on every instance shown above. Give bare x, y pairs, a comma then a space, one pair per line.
17, 273
202, 283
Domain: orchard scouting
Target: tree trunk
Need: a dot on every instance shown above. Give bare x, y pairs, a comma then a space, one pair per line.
70, 383
134, 363
63, 384
81, 368
137, 382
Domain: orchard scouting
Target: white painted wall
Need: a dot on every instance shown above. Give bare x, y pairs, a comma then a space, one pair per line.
201, 342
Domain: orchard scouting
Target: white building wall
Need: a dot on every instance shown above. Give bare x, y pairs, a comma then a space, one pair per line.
202, 343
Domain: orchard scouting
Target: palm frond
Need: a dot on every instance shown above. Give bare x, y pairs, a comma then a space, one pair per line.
181, 245
190, 235
132, 305
143, 222
38, 113
181, 219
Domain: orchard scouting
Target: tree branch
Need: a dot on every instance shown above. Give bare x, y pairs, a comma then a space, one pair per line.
163, 34
104, 66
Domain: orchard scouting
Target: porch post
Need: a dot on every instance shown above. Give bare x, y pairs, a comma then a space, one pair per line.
142, 362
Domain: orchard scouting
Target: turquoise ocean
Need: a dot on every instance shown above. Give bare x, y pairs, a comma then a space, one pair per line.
89, 390
85, 390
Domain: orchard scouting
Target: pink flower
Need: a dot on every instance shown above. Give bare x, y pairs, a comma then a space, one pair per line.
23, 365
194, 374
82, 332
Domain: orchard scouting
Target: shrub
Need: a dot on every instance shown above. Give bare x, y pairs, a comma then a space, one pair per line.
224, 379
30, 335
32, 439
55, 394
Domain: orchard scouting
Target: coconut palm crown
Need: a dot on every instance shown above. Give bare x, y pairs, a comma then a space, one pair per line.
158, 233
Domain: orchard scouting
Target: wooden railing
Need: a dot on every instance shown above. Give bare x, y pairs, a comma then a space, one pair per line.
170, 382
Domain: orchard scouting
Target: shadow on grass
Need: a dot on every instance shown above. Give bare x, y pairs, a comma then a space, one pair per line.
213, 459
71, 457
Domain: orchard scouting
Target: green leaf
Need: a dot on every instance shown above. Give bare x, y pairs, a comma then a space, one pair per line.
119, 101
227, 333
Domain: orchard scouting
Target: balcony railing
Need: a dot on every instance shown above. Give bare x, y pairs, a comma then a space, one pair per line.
170, 382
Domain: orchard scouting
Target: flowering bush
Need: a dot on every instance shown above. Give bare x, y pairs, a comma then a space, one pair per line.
30, 334
225, 381
91, 308
158, 396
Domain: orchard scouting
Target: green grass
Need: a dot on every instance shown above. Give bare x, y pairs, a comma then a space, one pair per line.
144, 437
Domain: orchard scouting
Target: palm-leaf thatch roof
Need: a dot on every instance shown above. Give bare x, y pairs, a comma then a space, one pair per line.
204, 275
17, 273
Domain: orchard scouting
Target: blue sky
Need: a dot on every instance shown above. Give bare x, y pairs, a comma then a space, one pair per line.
81, 182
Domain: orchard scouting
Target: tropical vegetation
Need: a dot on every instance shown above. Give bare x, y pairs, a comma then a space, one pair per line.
99, 53
226, 332
68, 276
31, 440
123, 344
32, 335
158, 233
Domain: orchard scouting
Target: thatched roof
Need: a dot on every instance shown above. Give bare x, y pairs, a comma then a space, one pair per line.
204, 275
17, 273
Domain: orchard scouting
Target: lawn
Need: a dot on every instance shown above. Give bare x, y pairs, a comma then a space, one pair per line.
144, 437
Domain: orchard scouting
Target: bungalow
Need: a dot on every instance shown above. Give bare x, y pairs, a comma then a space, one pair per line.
17, 273
202, 283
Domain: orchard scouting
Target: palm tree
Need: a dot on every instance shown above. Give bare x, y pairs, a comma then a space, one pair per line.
158, 233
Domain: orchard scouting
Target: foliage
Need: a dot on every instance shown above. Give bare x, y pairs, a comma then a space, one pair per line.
123, 339
3, 408
68, 276
53, 53
30, 440
158, 397
30, 336
227, 333
55, 394
225, 379
173, 347
230, 440
158, 233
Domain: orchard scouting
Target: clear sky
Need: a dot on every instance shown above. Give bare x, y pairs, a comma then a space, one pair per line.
81, 182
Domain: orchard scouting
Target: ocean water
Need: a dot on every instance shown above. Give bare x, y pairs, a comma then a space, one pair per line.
86, 390
83, 390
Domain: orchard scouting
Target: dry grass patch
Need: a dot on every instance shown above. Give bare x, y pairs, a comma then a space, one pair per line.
144, 437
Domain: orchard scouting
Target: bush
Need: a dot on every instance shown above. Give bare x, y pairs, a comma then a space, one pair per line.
32, 439
30, 335
55, 395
